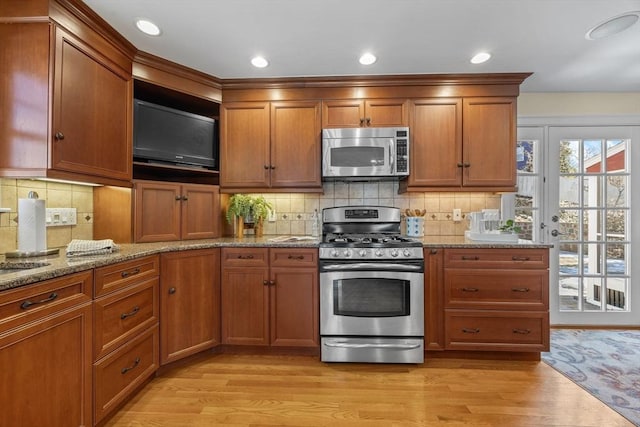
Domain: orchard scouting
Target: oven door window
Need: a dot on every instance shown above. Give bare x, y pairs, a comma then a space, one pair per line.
371, 297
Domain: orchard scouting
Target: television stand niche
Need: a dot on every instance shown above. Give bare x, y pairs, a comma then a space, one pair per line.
174, 173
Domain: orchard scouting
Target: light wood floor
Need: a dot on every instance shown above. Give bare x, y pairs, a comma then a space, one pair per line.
242, 390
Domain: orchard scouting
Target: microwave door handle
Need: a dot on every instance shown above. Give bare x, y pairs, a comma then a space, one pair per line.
392, 157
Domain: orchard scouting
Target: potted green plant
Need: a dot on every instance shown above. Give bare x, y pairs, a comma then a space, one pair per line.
239, 208
509, 226
260, 210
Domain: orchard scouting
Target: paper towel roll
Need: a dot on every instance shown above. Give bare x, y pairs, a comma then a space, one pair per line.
32, 229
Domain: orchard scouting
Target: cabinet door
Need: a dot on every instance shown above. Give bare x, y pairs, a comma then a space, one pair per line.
436, 142
245, 306
45, 378
200, 211
157, 211
91, 112
386, 112
295, 144
244, 145
343, 114
294, 307
434, 299
489, 141
189, 303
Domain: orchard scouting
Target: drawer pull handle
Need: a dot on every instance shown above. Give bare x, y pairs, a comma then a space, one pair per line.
133, 312
298, 257
128, 368
520, 289
26, 304
245, 256
471, 330
470, 258
520, 258
172, 290
522, 331
470, 289
433, 251
130, 273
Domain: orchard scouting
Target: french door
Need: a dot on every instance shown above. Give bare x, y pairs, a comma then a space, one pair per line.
575, 187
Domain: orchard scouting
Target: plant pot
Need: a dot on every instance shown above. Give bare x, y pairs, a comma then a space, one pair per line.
259, 228
239, 227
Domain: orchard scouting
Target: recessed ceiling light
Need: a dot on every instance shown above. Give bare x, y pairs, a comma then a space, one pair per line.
613, 26
148, 27
480, 57
368, 59
259, 62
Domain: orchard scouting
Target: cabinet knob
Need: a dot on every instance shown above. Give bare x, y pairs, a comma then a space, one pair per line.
460, 165
185, 198
272, 167
433, 251
272, 282
59, 136
178, 198
466, 165
265, 282
368, 119
362, 121
266, 167
172, 290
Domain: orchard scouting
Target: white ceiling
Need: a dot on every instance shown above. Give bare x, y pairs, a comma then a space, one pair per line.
326, 37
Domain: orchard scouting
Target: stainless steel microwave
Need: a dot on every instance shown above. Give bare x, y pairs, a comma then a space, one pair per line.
365, 153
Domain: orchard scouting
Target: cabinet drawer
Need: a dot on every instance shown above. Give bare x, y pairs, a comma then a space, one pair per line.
122, 371
497, 258
121, 315
496, 289
498, 330
245, 257
31, 302
117, 276
292, 257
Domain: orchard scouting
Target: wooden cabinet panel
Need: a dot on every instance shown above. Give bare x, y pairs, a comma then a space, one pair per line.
245, 145
169, 211
295, 144
434, 300
436, 142
200, 216
364, 113
189, 302
123, 274
122, 315
272, 303
46, 370
496, 289
497, 330
92, 113
497, 258
22, 305
122, 371
294, 307
489, 138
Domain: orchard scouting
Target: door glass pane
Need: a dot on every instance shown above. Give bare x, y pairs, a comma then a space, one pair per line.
616, 224
592, 156
569, 291
592, 190
569, 224
617, 259
569, 156
592, 225
592, 258
569, 190
593, 294
617, 190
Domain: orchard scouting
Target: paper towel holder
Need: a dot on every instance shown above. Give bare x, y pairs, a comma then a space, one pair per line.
25, 254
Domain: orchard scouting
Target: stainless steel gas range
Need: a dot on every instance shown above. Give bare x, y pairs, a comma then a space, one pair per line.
371, 288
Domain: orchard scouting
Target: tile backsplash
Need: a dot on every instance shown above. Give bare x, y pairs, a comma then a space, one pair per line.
56, 195
294, 211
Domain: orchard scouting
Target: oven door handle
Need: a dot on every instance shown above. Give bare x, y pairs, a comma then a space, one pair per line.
344, 344
387, 266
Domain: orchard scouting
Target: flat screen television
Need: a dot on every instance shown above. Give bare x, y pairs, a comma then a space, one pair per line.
168, 135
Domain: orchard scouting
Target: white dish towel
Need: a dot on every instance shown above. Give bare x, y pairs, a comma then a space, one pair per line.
90, 247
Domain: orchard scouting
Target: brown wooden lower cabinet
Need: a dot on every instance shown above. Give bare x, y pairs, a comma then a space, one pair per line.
496, 299
189, 303
270, 297
45, 353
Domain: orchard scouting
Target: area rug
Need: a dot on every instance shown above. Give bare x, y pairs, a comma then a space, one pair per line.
606, 363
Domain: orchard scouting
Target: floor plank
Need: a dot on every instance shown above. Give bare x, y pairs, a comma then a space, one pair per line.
259, 391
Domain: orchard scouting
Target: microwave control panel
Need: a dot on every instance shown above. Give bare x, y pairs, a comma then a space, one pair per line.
402, 152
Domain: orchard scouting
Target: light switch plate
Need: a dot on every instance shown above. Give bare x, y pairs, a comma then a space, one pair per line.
457, 215
59, 217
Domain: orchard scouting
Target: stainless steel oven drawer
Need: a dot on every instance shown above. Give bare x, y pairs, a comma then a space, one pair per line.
372, 350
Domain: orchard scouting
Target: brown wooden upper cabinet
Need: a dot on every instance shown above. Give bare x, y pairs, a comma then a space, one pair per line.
365, 113
166, 211
270, 146
463, 143
82, 132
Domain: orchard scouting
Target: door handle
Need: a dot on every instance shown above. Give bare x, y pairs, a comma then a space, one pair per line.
556, 233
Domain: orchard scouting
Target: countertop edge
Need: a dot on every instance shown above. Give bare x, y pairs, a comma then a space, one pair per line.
61, 265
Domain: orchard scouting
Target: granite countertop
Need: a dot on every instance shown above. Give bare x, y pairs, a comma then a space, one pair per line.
60, 265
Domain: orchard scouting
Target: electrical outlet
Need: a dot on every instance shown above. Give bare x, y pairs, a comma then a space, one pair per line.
273, 216
56, 217
457, 215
